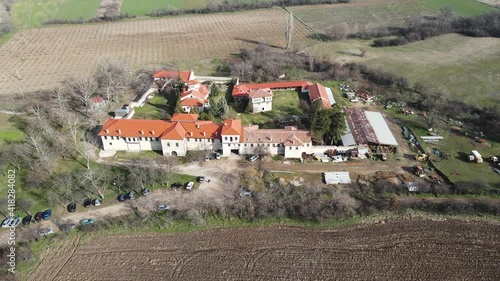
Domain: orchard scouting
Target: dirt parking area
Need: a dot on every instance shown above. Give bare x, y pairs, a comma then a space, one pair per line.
393, 250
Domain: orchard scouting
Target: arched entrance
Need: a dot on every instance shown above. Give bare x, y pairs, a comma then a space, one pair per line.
174, 153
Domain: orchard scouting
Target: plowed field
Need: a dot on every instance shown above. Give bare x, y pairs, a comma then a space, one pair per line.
39, 59
396, 250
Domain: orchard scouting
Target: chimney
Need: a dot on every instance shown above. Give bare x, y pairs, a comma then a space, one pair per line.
153, 132
142, 132
204, 134
191, 133
197, 126
119, 131
107, 131
225, 124
216, 133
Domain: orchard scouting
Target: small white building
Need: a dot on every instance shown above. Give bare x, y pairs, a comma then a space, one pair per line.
337, 178
261, 100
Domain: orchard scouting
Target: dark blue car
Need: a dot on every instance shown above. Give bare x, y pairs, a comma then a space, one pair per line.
47, 214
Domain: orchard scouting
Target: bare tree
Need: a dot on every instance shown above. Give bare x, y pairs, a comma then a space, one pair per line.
81, 90
289, 30
112, 77
94, 179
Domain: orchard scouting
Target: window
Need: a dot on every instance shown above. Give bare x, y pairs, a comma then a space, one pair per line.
296, 148
177, 144
274, 145
236, 138
268, 144
195, 140
307, 144
245, 145
231, 139
157, 139
168, 144
225, 138
290, 148
110, 143
251, 145
105, 137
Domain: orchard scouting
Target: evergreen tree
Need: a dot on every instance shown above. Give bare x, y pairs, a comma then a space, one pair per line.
178, 106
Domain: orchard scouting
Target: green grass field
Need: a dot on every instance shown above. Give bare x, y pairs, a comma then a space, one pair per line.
7, 130
29, 13
360, 15
285, 104
152, 108
464, 67
142, 8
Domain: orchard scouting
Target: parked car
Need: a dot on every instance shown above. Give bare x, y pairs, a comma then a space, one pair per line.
71, 207
96, 202
200, 179
121, 197
87, 221
87, 203
67, 227
189, 185
217, 155
131, 195
39, 216
15, 222
47, 214
45, 231
252, 158
6, 222
162, 207
176, 185
27, 219
145, 191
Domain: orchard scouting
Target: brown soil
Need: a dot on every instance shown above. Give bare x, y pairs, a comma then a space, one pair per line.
394, 250
41, 58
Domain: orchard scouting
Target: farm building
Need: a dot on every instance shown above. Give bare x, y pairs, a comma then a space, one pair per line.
184, 133
337, 177
175, 76
318, 91
261, 99
194, 95
368, 128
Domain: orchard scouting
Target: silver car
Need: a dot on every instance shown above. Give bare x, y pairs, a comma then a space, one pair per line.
45, 231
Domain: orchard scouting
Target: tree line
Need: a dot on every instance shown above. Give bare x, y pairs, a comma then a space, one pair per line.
230, 6
485, 25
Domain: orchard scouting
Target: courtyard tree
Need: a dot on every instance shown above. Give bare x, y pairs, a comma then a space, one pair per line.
81, 90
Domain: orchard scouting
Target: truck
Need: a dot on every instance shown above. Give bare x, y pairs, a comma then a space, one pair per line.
476, 157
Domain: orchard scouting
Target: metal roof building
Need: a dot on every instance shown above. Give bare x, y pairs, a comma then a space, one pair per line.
337, 177
367, 127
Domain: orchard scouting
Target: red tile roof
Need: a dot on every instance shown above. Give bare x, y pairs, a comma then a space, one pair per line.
191, 102
193, 82
289, 136
318, 91
232, 127
202, 130
184, 117
260, 93
194, 94
242, 89
184, 75
175, 132
135, 128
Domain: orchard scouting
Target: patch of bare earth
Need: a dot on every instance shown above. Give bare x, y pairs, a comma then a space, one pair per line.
109, 9
394, 250
39, 59
494, 3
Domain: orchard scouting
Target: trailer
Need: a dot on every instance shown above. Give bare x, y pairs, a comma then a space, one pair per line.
476, 156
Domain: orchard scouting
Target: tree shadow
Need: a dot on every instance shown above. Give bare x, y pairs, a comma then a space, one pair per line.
257, 42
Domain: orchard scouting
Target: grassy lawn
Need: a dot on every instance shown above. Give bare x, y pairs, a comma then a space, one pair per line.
285, 104
153, 107
28, 13
461, 7
464, 67
458, 146
140, 8
7, 130
360, 16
